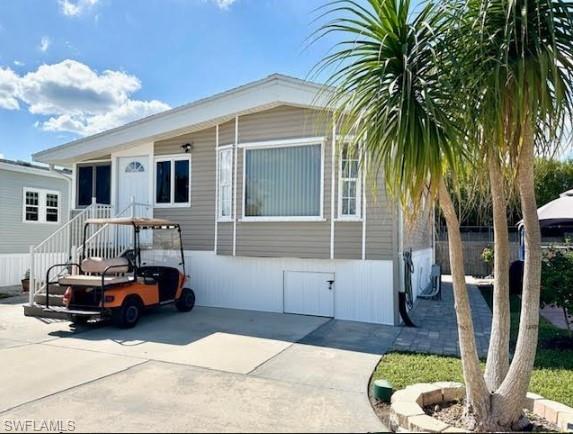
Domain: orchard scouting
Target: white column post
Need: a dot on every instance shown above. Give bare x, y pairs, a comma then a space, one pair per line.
332, 185
216, 241
363, 190
235, 151
32, 282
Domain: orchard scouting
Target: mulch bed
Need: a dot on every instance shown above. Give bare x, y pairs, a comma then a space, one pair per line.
453, 413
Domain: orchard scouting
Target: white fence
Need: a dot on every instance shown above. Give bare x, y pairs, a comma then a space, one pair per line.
13, 268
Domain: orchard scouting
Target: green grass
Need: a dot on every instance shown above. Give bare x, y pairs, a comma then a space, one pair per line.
552, 376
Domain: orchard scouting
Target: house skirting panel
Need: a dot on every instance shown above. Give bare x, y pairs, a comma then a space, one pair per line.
363, 290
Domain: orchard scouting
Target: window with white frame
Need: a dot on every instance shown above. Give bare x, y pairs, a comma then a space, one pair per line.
283, 182
349, 184
41, 206
173, 181
225, 184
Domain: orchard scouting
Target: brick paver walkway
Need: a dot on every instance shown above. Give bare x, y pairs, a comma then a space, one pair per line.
436, 331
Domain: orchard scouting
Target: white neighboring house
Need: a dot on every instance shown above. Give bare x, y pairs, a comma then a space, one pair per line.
276, 213
34, 203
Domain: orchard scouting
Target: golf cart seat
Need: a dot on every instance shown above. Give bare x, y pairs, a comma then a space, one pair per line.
96, 265
91, 281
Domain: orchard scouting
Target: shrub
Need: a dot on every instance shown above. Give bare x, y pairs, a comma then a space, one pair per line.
557, 281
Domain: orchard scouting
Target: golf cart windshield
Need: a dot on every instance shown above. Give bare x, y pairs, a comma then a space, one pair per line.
149, 242
161, 247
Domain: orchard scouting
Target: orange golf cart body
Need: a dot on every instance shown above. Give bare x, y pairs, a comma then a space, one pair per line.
122, 288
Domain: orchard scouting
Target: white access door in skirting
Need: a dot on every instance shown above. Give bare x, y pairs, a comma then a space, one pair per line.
309, 293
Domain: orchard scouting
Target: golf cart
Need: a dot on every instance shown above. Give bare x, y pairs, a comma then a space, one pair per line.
145, 269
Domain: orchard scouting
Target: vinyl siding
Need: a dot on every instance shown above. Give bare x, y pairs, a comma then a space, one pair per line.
227, 133
348, 240
225, 239
418, 231
15, 235
197, 221
284, 239
381, 218
274, 239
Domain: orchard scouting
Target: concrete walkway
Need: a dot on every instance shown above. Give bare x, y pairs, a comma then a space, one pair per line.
436, 331
212, 370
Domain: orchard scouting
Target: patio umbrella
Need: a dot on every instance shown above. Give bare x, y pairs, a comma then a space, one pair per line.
556, 212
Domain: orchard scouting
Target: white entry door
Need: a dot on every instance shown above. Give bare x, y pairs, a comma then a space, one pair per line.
309, 293
133, 181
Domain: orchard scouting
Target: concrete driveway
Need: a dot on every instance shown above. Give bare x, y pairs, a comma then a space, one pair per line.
213, 370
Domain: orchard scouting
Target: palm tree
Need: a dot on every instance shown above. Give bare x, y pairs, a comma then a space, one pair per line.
400, 76
520, 71
394, 96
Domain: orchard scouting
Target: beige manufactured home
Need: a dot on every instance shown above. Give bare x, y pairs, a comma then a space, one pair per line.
276, 215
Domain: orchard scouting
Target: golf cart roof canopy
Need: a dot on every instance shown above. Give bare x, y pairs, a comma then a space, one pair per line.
137, 222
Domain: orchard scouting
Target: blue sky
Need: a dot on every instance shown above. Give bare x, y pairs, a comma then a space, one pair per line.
69, 68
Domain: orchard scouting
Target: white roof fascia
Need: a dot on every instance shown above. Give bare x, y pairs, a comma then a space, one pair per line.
267, 93
31, 170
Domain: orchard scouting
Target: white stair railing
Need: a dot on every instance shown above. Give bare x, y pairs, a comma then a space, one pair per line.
59, 247
110, 241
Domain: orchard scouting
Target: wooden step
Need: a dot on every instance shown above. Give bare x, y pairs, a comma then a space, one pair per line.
40, 312
55, 290
55, 300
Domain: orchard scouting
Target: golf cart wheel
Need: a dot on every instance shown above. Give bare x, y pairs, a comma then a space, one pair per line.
128, 314
186, 302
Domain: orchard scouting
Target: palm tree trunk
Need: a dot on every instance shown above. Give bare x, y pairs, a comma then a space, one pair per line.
477, 394
498, 353
508, 400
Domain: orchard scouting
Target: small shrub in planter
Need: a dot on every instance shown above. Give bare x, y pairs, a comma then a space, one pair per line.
26, 282
487, 257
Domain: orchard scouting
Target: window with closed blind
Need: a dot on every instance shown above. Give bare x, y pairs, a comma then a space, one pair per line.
283, 182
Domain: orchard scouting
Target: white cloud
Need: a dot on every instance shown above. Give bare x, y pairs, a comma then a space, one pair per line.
18, 63
9, 89
45, 43
76, 98
71, 87
1, 156
74, 8
224, 4
121, 115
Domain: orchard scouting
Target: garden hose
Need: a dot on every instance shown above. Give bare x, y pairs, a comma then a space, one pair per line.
406, 297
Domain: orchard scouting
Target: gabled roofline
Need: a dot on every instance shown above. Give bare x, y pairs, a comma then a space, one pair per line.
269, 92
32, 169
